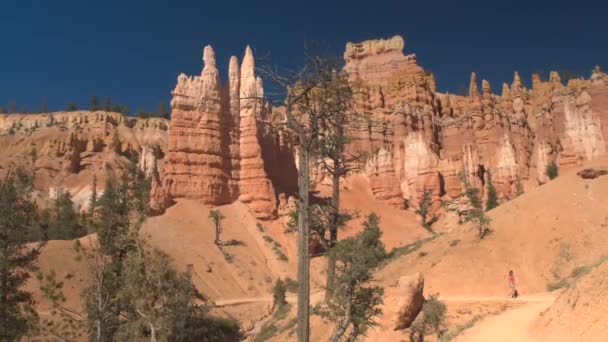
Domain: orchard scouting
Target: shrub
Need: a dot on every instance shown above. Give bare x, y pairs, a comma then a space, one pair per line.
557, 285
278, 293
552, 170
266, 332
433, 312
492, 201
291, 285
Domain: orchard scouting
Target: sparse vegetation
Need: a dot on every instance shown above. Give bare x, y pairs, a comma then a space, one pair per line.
423, 209
267, 331
404, 250
276, 247
124, 300
552, 170
278, 294
217, 217
260, 227
94, 103
291, 285
353, 306
431, 319
477, 215
460, 328
71, 107
519, 186
162, 111
492, 200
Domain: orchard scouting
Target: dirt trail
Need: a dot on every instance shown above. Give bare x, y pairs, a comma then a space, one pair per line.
315, 297
511, 325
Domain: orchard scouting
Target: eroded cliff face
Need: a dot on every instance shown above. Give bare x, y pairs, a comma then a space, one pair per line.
220, 148
419, 139
66, 150
226, 144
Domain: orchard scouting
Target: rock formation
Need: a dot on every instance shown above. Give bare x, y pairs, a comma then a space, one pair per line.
219, 150
420, 139
67, 149
225, 143
410, 303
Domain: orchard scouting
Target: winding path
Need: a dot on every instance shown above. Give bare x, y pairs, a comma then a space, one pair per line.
511, 325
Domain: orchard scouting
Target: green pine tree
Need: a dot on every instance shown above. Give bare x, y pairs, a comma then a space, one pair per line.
107, 104
16, 258
94, 103
71, 107
552, 170
492, 201
355, 304
163, 112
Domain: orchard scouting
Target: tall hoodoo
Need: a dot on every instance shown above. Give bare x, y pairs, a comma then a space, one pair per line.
473, 90
214, 153
254, 185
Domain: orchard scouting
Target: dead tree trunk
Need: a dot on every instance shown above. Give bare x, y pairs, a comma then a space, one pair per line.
333, 234
303, 236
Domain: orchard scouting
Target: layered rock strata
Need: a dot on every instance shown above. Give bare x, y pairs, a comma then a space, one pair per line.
421, 140
220, 150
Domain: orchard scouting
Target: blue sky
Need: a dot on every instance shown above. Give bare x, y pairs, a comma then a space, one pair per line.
133, 51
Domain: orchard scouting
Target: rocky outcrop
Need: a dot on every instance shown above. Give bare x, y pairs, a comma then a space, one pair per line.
217, 145
411, 300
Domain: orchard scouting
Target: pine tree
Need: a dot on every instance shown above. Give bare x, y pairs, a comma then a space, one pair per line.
492, 201
353, 305
93, 198
107, 104
477, 215
552, 170
425, 205
278, 294
65, 223
44, 107
94, 103
162, 111
2, 110
16, 257
134, 293
12, 106
71, 107
217, 217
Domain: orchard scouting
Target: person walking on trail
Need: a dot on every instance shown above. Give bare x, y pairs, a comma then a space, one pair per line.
513, 291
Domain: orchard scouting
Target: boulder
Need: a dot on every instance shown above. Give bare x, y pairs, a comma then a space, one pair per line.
412, 299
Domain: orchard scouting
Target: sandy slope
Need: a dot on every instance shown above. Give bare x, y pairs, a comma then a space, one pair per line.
541, 235
511, 325
580, 313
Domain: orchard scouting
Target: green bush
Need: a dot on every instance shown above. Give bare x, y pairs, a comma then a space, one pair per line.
552, 170
278, 293
557, 285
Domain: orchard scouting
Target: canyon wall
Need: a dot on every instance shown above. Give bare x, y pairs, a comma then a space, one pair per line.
419, 139
225, 143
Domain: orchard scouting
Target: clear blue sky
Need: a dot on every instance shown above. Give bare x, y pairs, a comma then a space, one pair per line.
133, 51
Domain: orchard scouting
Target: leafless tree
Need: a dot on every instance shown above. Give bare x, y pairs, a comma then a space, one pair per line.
307, 105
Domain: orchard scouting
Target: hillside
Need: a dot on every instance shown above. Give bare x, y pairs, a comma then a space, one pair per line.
542, 235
